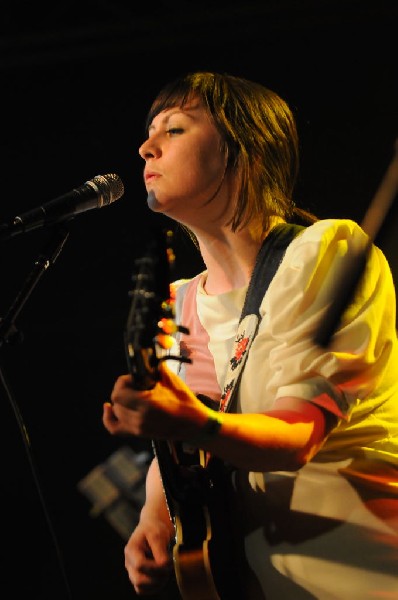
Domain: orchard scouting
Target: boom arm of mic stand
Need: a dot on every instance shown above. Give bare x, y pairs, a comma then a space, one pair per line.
45, 259
353, 270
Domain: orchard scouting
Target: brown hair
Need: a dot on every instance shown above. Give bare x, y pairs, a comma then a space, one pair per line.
260, 142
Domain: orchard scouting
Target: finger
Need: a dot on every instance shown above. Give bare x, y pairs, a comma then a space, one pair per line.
121, 383
108, 412
109, 418
171, 379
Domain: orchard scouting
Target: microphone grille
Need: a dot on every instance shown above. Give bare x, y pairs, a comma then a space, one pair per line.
110, 187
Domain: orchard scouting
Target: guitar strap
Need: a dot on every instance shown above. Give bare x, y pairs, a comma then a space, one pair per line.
268, 260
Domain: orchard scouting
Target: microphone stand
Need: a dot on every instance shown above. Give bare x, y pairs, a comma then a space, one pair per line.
9, 333
45, 259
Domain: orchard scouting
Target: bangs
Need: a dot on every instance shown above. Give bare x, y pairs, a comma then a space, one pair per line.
175, 94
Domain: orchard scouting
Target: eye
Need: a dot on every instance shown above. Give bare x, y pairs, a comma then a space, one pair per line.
174, 130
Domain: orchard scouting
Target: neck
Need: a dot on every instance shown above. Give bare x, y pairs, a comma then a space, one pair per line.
229, 258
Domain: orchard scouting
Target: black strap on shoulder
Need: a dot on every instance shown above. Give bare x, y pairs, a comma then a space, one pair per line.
268, 260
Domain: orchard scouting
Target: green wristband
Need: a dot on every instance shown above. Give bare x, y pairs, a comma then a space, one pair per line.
210, 429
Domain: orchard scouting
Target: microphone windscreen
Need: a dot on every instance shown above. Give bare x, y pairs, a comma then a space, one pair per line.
110, 188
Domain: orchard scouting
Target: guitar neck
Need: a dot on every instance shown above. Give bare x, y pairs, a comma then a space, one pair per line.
189, 485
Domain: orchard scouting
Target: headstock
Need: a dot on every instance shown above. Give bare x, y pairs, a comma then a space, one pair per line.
151, 319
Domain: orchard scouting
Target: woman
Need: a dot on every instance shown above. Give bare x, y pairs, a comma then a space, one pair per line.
312, 433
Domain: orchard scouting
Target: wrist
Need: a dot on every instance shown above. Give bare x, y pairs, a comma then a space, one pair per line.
209, 430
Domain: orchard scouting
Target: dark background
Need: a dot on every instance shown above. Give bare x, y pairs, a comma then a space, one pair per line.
76, 81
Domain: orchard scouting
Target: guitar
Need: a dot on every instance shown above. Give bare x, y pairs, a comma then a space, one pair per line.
195, 488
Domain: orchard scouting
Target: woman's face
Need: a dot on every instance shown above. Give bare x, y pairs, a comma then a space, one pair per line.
184, 165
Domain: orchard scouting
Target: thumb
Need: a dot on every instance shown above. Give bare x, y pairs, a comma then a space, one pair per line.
171, 380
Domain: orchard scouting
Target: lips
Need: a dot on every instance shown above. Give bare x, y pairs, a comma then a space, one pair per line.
150, 176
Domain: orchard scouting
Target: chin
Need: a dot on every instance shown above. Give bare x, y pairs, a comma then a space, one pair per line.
153, 202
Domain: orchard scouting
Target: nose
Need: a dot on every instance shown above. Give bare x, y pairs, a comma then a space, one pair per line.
148, 149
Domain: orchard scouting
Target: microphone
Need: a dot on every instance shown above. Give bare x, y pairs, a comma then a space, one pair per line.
95, 193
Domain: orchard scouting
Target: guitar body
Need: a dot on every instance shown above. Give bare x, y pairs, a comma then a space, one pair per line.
198, 492
194, 571
193, 561
196, 487
204, 556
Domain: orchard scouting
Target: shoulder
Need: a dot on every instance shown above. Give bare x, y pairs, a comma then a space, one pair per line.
326, 237
316, 256
181, 287
333, 229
